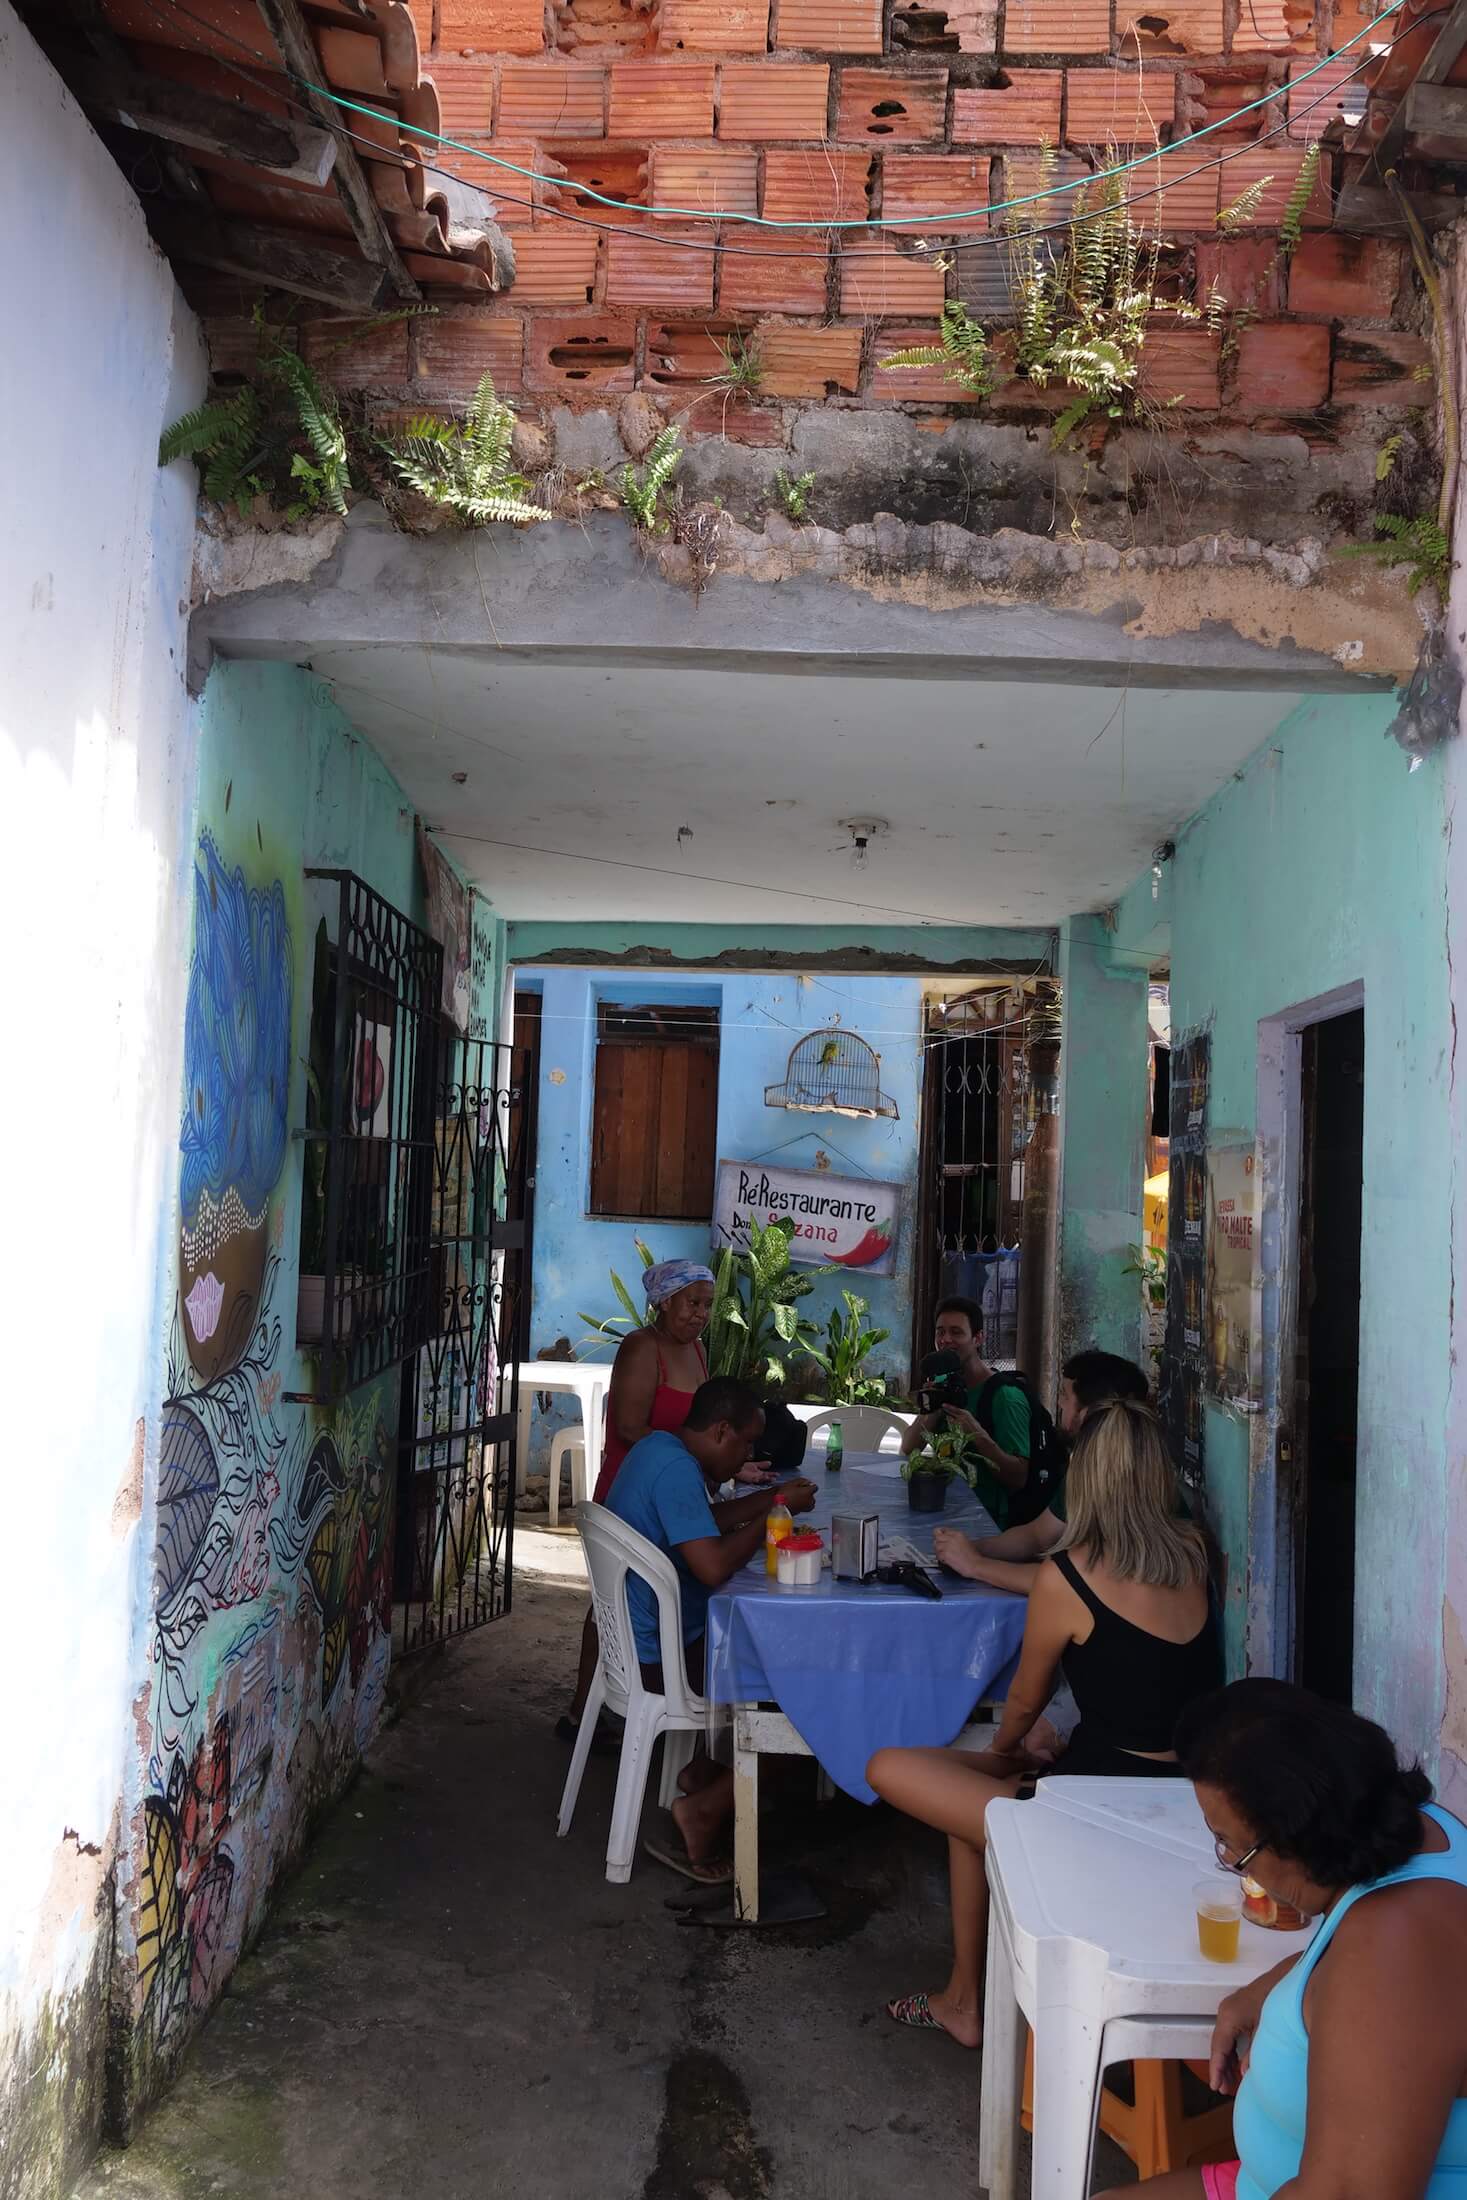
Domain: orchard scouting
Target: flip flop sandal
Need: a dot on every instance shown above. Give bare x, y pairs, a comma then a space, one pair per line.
913, 2010
715, 1871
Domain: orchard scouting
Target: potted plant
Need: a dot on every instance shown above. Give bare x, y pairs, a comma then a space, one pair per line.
943, 1458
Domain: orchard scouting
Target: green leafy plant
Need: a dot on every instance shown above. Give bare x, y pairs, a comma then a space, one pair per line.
1420, 544
1291, 228
632, 1316
1230, 219
963, 350
644, 488
466, 467
849, 1341
755, 1325
742, 371
794, 492
1386, 456
948, 1454
280, 436
1150, 1266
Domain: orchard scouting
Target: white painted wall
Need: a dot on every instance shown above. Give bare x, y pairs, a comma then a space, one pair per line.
97, 353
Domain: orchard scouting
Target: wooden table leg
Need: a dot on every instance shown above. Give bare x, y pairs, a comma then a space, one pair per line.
746, 1826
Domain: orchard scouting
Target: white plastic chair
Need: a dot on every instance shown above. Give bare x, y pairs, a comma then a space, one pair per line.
613, 1550
863, 1427
567, 1450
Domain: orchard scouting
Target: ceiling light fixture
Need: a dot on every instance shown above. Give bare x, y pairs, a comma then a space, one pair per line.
863, 830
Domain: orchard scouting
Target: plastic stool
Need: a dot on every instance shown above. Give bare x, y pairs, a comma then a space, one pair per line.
1154, 2131
566, 1450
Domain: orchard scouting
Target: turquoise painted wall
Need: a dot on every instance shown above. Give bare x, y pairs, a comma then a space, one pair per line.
271, 1536
761, 1017
1322, 863
1103, 1088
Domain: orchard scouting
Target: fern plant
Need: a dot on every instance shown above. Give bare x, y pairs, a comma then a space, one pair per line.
1420, 544
280, 436
644, 488
1291, 228
466, 467
963, 350
794, 492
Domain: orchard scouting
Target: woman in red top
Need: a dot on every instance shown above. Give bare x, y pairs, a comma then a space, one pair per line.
653, 1378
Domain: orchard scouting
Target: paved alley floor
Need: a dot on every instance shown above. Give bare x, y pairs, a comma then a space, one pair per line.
449, 2001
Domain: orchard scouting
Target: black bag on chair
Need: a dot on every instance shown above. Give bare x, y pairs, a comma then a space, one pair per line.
785, 1437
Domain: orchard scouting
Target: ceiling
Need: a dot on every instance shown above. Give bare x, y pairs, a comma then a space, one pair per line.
656, 794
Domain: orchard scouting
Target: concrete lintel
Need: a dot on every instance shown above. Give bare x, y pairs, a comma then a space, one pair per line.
842, 961
594, 594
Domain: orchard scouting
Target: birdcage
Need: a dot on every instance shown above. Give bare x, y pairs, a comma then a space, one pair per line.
832, 1072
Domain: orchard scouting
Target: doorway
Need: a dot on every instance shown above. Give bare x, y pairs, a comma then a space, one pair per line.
1327, 1351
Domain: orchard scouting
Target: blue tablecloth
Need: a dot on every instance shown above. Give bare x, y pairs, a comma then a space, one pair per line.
857, 1667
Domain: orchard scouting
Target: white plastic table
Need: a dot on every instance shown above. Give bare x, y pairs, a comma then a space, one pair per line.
587, 1381
1093, 1939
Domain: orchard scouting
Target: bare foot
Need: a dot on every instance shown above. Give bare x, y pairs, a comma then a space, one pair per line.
961, 2019
696, 1776
698, 1825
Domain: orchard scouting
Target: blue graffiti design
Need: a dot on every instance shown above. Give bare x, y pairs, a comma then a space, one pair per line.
236, 1039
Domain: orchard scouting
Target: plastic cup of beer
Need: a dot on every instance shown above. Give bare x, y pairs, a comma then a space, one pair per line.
1219, 1907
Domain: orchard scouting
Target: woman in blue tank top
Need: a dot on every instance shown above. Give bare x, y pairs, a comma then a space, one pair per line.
1353, 2055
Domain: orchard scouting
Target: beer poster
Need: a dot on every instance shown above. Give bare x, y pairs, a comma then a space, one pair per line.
1184, 1361
1230, 1244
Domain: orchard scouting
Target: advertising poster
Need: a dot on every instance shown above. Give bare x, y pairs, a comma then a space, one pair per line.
1184, 1362
1230, 1240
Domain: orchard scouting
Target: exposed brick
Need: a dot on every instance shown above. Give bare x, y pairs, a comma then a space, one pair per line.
876, 280
738, 419
935, 191
234, 342
583, 357
713, 26
465, 95
686, 355
816, 186
1186, 26
810, 362
1019, 177
1319, 95
552, 99
555, 266
640, 273
788, 276
454, 349
1245, 271
421, 12
921, 26
782, 100
1279, 164
1185, 200
1023, 110
608, 172
1283, 366
1212, 95
884, 107
1180, 367
515, 197
705, 180
1115, 106
929, 385
1275, 26
1347, 278
492, 26
661, 99
1057, 26
357, 355
829, 26
1381, 367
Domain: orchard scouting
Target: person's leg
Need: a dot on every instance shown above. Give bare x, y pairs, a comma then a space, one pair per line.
586, 1670
701, 1816
947, 1789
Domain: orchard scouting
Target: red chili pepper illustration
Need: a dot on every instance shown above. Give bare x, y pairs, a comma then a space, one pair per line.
870, 1248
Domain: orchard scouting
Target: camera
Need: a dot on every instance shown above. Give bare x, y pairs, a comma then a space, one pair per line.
942, 1383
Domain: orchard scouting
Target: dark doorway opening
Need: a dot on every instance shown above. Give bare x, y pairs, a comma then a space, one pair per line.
1327, 1369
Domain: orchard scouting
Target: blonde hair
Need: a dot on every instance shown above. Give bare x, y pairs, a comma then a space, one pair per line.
1121, 1501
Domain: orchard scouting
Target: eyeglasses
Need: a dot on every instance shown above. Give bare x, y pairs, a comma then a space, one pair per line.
1226, 1862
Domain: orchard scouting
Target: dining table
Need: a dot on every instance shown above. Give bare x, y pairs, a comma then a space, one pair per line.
856, 1666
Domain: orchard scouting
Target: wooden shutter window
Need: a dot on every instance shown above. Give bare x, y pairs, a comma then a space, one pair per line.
654, 1130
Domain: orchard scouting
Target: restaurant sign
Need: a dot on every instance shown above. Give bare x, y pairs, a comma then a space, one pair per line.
847, 1221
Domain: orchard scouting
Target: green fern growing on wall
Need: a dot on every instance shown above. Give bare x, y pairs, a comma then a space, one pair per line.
644, 488
466, 467
962, 349
280, 436
1291, 228
1419, 544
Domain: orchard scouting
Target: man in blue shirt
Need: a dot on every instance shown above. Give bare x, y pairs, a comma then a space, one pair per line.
662, 1490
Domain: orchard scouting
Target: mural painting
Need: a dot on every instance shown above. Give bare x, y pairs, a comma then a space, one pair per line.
272, 1562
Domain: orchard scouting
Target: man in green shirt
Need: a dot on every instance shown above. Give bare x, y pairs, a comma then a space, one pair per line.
1011, 1560
1004, 1451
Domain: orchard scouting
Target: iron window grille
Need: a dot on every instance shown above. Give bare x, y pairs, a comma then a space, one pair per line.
366, 1291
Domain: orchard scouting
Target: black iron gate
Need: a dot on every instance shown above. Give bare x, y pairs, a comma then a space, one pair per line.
460, 1392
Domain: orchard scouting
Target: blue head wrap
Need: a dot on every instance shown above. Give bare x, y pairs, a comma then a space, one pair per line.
671, 1276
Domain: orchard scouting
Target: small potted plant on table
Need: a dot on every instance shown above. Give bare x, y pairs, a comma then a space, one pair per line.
944, 1458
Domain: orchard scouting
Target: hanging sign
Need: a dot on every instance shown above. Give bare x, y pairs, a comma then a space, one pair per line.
847, 1221
1230, 1208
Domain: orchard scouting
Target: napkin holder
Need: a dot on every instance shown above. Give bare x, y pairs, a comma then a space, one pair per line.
854, 1541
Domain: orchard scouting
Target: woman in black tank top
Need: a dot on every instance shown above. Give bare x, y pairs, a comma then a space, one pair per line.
1122, 1603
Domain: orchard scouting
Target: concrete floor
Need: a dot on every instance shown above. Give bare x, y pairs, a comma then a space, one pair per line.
450, 2001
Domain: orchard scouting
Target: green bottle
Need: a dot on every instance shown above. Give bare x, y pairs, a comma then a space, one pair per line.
835, 1448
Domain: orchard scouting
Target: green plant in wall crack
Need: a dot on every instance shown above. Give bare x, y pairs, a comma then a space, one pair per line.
466, 467
742, 371
280, 436
794, 492
644, 488
1420, 545
963, 350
